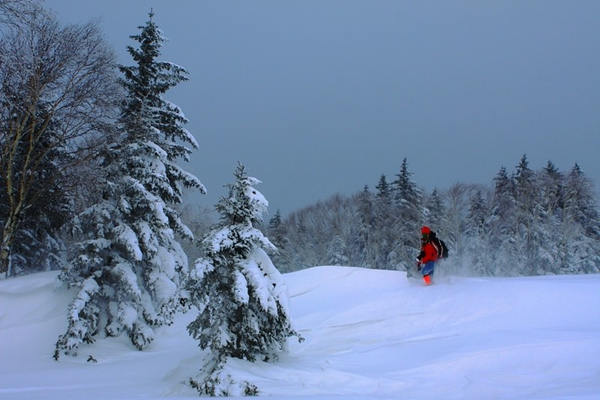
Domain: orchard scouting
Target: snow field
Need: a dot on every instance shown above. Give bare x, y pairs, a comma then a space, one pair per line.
369, 334
461, 338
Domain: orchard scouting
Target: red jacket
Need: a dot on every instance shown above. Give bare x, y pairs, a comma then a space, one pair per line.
428, 252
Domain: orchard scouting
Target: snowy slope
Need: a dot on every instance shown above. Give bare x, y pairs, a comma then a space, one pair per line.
369, 335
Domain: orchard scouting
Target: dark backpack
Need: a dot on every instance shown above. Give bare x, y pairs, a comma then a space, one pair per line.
439, 245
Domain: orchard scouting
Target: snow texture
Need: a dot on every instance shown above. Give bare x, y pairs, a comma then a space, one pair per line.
266, 282
88, 289
370, 335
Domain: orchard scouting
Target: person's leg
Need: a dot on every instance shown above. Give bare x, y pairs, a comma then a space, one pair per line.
428, 268
427, 272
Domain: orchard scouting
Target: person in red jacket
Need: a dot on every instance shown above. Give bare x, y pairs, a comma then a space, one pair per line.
428, 256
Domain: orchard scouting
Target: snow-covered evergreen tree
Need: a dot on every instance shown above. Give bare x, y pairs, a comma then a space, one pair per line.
529, 237
582, 225
277, 234
580, 203
476, 247
501, 223
435, 214
336, 252
553, 248
409, 216
241, 296
383, 236
150, 120
407, 196
477, 215
129, 266
552, 190
364, 242
275, 228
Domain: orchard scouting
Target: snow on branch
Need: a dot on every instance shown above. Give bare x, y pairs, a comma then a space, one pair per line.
126, 237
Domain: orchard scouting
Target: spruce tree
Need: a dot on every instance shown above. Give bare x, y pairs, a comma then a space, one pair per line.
409, 215
407, 196
501, 225
275, 228
477, 215
383, 237
528, 237
277, 233
476, 233
582, 225
365, 243
129, 266
552, 190
436, 213
240, 295
383, 190
580, 203
553, 249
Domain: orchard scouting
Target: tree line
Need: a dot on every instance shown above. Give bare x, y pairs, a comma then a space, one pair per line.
525, 223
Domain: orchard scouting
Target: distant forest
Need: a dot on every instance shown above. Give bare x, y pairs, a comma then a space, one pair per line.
525, 223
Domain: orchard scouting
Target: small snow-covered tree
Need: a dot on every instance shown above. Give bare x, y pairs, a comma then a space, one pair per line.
241, 297
129, 266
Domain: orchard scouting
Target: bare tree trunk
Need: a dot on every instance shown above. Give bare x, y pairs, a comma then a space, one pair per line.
8, 233
57, 89
4, 256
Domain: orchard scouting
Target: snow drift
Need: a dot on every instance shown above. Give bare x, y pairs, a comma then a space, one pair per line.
369, 335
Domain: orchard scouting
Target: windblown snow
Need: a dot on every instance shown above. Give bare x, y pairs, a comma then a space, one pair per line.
370, 334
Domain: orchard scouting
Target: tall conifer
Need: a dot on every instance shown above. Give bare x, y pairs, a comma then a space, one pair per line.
409, 216
129, 266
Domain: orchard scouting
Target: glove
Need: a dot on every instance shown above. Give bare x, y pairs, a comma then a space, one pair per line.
418, 266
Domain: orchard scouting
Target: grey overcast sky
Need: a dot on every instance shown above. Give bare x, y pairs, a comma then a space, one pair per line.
323, 96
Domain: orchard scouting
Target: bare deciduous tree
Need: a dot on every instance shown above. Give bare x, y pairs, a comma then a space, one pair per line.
14, 12
50, 76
